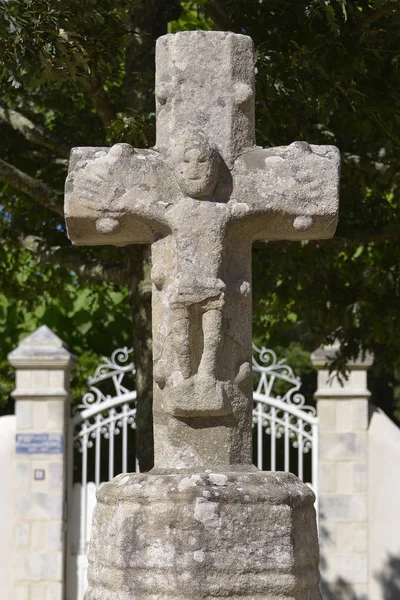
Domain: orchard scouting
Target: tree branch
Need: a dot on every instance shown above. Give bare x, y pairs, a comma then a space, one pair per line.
341, 243
384, 128
377, 14
33, 132
86, 270
34, 188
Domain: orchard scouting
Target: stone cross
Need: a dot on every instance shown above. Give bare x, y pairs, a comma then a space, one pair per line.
201, 197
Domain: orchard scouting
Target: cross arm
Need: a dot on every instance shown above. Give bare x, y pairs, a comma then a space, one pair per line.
115, 196
288, 192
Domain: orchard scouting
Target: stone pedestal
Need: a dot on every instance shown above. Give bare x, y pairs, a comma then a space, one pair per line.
192, 535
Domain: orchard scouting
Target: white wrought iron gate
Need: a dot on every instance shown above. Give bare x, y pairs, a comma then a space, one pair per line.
102, 440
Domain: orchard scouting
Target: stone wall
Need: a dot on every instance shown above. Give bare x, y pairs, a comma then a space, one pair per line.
384, 507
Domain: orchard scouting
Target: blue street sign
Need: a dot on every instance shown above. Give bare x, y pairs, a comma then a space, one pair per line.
39, 443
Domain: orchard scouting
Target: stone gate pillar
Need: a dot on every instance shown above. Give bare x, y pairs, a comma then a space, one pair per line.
343, 475
43, 365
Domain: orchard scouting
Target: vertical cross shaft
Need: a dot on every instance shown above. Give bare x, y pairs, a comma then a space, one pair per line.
206, 81
201, 197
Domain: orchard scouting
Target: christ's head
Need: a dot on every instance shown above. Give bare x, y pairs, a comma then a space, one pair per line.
196, 165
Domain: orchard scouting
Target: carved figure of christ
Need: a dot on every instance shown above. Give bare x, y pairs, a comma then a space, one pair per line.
201, 197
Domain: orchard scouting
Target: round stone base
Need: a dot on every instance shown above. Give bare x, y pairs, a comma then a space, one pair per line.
185, 536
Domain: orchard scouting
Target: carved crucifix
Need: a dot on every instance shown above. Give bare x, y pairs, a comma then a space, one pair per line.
201, 197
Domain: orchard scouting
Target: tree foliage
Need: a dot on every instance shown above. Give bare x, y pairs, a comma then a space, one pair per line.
82, 73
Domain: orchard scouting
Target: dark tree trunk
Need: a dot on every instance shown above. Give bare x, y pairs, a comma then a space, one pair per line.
140, 303
148, 20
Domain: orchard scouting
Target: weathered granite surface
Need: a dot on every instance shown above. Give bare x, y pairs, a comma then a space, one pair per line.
201, 197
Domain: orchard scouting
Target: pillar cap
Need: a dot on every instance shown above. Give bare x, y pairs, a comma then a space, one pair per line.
325, 354
42, 349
